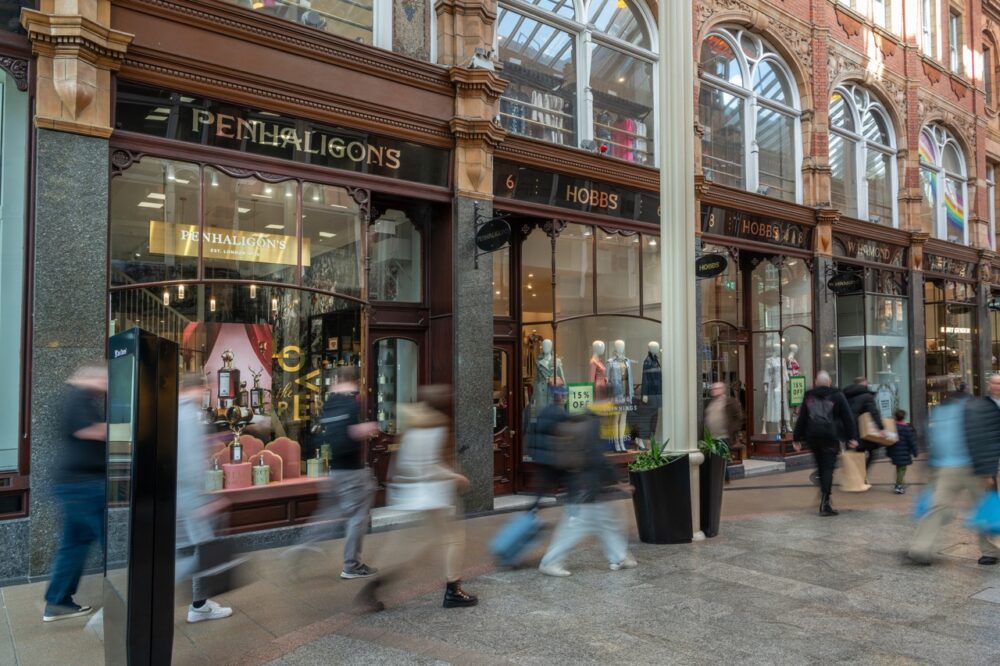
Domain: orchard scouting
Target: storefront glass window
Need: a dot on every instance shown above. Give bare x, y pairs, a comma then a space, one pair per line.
332, 239
251, 228
156, 209
353, 19
575, 271
796, 293
501, 282
765, 295
721, 295
622, 86
722, 150
843, 178
995, 330
396, 259
651, 297
950, 321
395, 380
942, 163
617, 273
536, 281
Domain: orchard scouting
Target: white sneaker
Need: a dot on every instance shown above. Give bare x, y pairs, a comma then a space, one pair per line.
554, 570
628, 563
210, 611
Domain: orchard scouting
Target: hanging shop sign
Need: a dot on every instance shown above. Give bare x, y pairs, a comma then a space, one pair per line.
796, 390
867, 249
710, 265
935, 263
182, 240
209, 122
511, 181
846, 282
493, 234
580, 397
737, 224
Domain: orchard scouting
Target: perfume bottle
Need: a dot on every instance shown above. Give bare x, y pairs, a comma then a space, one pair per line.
229, 380
236, 451
381, 378
381, 415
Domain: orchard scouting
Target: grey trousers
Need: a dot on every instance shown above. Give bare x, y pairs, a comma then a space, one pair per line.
350, 499
949, 484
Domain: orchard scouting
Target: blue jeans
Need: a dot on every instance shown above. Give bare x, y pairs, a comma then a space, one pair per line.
82, 504
580, 521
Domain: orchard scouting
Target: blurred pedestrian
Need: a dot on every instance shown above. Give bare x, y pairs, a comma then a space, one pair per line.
825, 421
350, 496
424, 484
544, 445
196, 511
904, 451
723, 415
79, 487
982, 429
862, 401
589, 477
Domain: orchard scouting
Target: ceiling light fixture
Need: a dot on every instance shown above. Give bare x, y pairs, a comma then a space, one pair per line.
156, 195
326, 234
253, 291
211, 304
276, 227
166, 297
242, 210
180, 292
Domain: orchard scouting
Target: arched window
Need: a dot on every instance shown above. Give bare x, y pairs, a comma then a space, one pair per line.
580, 73
943, 179
749, 109
862, 156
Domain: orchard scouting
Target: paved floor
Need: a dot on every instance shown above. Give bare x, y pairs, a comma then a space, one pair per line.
778, 586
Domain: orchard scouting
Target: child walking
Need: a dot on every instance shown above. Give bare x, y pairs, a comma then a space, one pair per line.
904, 451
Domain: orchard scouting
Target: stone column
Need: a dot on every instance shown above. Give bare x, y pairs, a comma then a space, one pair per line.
918, 334
825, 306
478, 88
77, 53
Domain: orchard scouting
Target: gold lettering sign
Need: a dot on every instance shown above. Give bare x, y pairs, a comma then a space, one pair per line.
591, 197
182, 240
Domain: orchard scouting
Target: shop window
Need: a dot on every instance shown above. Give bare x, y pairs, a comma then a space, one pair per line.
396, 259
501, 282
862, 156
536, 277
575, 271
758, 151
995, 335
546, 98
721, 295
652, 299
617, 272
943, 180
332, 241
501, 389
10, 14
397, 370
950, 325
156, 209
363, 21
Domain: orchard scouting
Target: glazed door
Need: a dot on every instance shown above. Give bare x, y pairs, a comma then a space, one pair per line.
504, 430
395, 376
724, 359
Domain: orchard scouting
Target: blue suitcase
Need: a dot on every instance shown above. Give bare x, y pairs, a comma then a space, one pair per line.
517, 535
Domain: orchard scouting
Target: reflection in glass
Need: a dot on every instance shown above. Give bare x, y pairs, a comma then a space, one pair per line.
622, 86
501, 388
620, 19
951, 340
396, 259
536, 277
719, 60
776, 153
501, 282
878, 174
617, 273
575, 271
843, 175
722, 147
651, 297
332, 239
353, 19
722, 295
765, 295
396, 368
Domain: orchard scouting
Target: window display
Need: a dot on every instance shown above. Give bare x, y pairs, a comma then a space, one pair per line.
950, 319
396, 380
396, 259
942, 165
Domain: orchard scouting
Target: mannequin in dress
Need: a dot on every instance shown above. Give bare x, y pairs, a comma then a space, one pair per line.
775, 383
598, 374
793, 365
652, 394
548, 371
621, 391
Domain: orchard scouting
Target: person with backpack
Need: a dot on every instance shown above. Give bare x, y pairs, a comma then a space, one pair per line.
904, 452
825, 420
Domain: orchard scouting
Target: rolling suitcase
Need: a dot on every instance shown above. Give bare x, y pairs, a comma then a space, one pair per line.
516, 536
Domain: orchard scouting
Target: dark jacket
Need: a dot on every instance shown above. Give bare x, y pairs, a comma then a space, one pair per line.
842, 416
982, 432
652, 380
904, 451
544, 443
586, 483
340, 412
734, 417
862, 400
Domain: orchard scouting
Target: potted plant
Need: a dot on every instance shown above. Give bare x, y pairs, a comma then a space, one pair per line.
713, 478
662, 497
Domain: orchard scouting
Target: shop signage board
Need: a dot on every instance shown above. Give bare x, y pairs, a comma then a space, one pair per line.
796, 390
737, 224
512, 181
580, 397
846, 282
710, 265
181, 240
867, 249
210, 122
493, 234
935, 263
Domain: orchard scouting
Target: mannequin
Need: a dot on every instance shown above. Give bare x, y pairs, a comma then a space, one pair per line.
652, 394
598, 374
548, 371
621, 392
775, 383
793, 365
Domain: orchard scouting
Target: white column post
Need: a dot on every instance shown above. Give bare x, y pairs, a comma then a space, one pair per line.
677, 255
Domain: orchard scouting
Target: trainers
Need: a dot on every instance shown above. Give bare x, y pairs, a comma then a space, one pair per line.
628, 563
65, 611
898, 489
210, 611
360, 571
554, 570
988, 560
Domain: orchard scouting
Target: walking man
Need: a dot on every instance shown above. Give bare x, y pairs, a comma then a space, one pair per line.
723, 415
982, 432
825, 420
862, 401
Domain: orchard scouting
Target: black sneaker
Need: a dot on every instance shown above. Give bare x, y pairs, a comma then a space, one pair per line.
55, 612
360, 571
898, 489
988, 560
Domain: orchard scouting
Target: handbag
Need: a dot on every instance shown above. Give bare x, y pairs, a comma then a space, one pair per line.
985, 519
852, 472
870, 433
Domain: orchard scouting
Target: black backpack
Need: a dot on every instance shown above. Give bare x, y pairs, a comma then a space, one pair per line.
822, 426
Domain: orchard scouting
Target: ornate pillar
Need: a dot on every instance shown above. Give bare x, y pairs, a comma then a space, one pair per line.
478, 88
826, 303
76, 53
462, 27
918, 333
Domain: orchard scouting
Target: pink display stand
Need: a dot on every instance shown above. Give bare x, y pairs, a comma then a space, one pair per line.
291, 454
272, 460
237, 476
251, 446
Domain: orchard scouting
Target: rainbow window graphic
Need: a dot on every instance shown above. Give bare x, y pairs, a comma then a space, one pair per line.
954, 204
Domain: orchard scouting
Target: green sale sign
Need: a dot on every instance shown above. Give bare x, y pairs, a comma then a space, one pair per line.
580, 397
796, 391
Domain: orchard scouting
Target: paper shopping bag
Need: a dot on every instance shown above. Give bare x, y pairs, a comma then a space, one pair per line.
870, 432
852, 472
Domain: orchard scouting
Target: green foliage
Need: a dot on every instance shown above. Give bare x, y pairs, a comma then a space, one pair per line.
711, 446
655, 456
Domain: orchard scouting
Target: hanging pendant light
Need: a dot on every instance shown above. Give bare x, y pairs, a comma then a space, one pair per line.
180, 292
211, 304
253, 291
166, 297
274, 304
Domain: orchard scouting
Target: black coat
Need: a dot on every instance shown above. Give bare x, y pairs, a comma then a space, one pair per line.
652, 380
982, 433
904, 451
844, 418
862, 400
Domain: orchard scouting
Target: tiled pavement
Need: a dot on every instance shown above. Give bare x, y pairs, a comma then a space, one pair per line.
778, 586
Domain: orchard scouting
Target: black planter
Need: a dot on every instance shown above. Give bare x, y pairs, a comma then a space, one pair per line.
662, 502
713, 478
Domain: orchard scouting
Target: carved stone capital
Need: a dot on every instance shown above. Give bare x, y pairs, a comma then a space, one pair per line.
482, 131
18, 70
482, 83
77, 51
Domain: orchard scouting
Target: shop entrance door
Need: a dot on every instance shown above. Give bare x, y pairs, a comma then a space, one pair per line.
724, 358
504, 430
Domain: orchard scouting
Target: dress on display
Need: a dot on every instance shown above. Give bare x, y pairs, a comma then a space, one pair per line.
599, 377
652, 391
543, 377
775, 379
620, 380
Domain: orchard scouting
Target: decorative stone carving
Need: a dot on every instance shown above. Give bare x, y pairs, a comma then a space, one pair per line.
851, 25
959, 88
931, 108
476, 132
18, 70
930, 71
